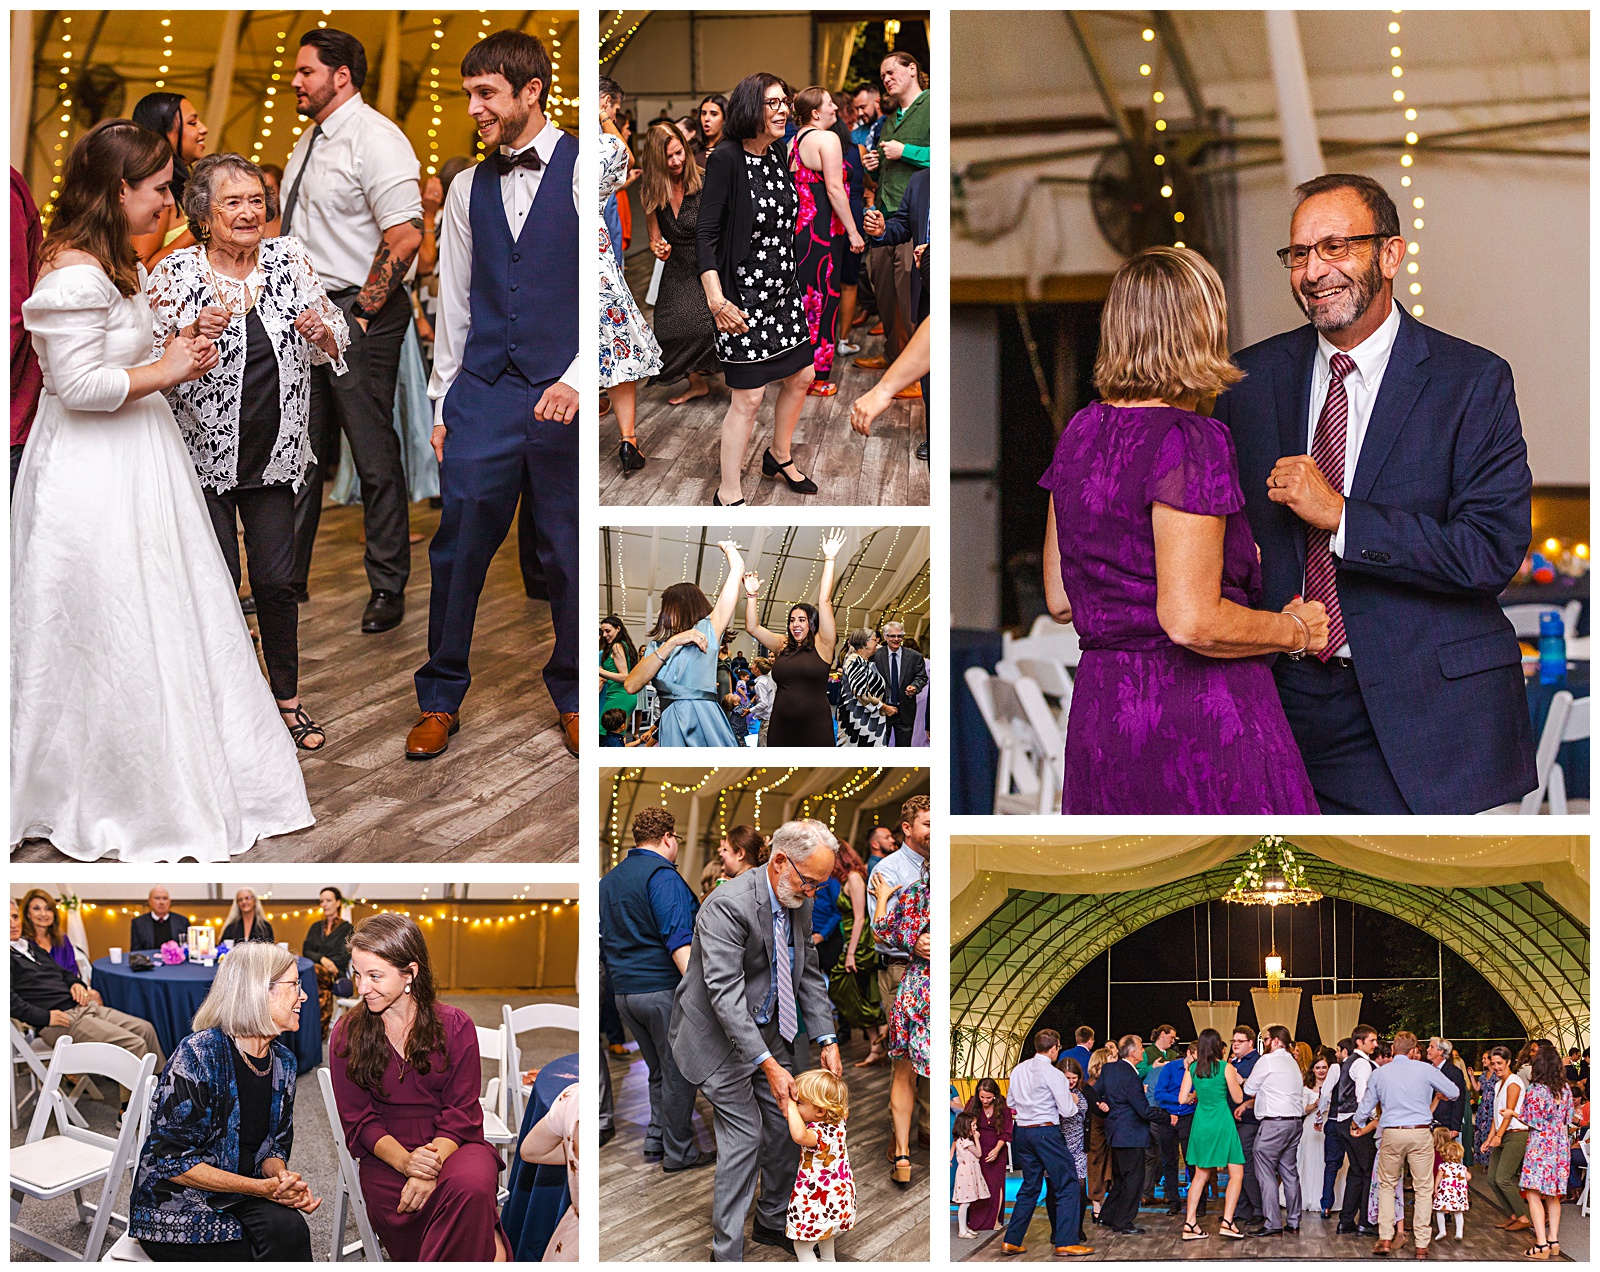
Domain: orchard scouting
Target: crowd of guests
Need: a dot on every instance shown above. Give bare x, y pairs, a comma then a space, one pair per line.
713, 1010
1271, 1129
808, 687
780, 221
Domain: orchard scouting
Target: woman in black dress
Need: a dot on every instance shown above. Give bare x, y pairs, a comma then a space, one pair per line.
670, 191
713, 116
327, 944
245, 921
744, 248
801, 715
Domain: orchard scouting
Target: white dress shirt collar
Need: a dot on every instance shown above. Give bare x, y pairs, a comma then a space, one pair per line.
341, 117
1371, 356
544, 143
21, 947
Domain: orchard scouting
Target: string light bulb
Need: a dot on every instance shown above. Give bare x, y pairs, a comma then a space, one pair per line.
1411, 138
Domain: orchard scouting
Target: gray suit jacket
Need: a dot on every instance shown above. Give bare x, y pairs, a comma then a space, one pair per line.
729, 974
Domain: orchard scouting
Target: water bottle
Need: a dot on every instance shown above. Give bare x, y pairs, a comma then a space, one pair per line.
1552, 649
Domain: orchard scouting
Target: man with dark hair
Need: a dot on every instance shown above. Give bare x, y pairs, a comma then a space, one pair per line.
869, 114
903, 148
1243, 1057
505, 378
1040, 1100
1332, 1144
1349, 1090
1386, 477
1083, 1052
1278, 1088
353, 200
647, 917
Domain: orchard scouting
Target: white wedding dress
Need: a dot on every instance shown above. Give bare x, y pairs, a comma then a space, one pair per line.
141, 725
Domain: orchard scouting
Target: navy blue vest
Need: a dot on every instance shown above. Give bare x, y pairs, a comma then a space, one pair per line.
525, 290
635, 954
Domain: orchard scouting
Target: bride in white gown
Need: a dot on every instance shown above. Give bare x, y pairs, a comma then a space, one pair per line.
141, 726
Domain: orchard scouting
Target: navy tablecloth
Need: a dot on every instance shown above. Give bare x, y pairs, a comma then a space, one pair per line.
1573, 756
168, 998
539, 1194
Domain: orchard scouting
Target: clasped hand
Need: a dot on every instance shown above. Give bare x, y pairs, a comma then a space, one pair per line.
289, 1189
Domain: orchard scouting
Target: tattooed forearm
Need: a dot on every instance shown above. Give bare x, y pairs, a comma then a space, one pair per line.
389, 265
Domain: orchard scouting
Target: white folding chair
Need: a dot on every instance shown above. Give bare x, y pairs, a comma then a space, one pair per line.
1525, 618
1568, 721
340, 1006
45, 1167
1588, 1170
492, 1047
1016, 779
27, 1052
1052, 744
1052, 679
1048, 639
347, 1199
521, 1020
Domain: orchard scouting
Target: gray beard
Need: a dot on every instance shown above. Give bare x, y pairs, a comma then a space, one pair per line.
1357, 301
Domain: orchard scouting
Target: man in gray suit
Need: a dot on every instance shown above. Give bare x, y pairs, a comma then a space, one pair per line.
753, 974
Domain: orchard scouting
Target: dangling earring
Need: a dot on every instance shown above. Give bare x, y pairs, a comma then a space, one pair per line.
408, 987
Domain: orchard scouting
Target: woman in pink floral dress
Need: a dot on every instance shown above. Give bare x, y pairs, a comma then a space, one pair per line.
1547, 1109
823, 225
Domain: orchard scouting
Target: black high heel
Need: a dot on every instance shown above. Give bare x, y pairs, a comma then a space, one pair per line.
770, 467
629, 454
716, 501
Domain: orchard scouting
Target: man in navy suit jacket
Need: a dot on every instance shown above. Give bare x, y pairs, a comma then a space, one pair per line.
1417, 516
1128, 1113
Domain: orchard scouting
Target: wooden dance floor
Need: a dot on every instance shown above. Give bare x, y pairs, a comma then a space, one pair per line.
1481, 1241
646, 1215
682, 443
506, 790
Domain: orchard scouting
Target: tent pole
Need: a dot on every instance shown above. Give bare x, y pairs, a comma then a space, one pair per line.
1302, 151
222, 73
1442, 1033
696, 856
389, 80
21, 86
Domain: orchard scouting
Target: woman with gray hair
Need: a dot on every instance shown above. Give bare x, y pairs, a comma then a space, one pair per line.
246, 921
863, 713
246, 422
213, 1181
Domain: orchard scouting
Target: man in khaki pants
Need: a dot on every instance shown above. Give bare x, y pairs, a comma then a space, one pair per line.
1404, 1089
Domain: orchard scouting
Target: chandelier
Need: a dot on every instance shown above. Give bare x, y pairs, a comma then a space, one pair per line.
1272, 876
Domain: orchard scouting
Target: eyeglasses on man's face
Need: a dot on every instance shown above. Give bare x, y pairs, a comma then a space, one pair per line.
1334, 248
808, 886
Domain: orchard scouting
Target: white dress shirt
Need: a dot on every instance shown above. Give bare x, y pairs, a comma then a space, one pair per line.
1360, 1073
1278, 1086
1361, 387
362, 180
517, 190
1039, 1093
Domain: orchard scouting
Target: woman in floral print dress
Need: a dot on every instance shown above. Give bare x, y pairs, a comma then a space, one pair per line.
903, 926
1547, 1109
825, 223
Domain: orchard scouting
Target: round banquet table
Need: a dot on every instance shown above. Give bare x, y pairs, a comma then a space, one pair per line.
539, 1194
168, 998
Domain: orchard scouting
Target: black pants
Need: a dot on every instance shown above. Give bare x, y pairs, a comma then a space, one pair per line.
1358, 1179
361, 403
268, 516
272, 1233
1121, 1206
1169, 1137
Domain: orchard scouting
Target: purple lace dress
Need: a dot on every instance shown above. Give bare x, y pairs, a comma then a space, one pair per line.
1155, 728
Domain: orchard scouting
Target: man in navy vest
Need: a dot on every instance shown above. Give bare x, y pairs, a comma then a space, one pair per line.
505, 377
646, 929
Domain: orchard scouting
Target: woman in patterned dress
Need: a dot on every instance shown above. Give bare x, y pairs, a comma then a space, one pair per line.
628, 349
744, 247
862, 721
903, 927
825, 227
670, 191
1483, 1119
1547, 1109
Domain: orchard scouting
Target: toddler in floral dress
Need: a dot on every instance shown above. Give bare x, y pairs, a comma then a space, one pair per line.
970, 1185
1450, 1180
823, 1203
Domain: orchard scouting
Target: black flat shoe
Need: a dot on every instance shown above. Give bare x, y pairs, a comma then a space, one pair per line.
770, 467
922, 452
628, 453
705, 1159
763, 1235
384, 612
716, 501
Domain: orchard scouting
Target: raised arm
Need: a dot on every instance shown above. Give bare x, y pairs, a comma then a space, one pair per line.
827, 633
752, 624
728, 597
799, 1132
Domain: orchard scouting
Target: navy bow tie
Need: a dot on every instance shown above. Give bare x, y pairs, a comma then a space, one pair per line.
504, 163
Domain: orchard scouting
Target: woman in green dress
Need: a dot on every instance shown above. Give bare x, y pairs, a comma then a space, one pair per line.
1208, 1083
851, 963
617, 658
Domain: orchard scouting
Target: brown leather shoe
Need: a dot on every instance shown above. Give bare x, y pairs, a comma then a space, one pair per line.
1422, 1252
1007, 1248
873, 362
430, 736
1520, 1224
569, 731
1074, 1252
1384, 1246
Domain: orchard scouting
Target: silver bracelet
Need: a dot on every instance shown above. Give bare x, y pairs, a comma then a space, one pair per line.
1305, 634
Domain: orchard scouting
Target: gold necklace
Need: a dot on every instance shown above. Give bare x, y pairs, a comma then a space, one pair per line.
251, 294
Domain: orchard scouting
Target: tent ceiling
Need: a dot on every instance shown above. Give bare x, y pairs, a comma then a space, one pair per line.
300, 891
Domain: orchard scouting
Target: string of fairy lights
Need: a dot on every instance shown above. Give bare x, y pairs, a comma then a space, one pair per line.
1407, 163
1158, 99
445, 914
622, 43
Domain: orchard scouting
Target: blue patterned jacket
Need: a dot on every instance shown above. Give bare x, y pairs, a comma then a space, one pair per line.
195, 1121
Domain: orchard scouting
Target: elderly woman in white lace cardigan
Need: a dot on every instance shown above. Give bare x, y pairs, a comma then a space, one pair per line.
246, 421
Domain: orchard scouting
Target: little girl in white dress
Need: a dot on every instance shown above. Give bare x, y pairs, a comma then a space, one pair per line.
823, 1203
970, 1185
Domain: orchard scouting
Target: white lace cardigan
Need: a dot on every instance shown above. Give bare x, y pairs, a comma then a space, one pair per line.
208, 408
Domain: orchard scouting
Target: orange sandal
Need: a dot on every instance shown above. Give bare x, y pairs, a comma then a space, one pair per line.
822, 388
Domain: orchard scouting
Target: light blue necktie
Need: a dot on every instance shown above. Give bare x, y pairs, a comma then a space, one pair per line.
783, 977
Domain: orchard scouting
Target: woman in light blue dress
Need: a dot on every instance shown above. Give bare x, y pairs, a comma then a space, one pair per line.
680, 659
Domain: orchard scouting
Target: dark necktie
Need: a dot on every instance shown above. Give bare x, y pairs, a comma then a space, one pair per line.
504, 163
294, 190
1327, 451
894, 676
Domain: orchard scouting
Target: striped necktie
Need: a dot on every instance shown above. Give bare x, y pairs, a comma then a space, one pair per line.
783, 976
1327, 452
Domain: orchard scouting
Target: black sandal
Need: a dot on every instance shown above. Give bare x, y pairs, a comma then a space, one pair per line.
770, 467
1194, 1232
302, 726
1230, 1229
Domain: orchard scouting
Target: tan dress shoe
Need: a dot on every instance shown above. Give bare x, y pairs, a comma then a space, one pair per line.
569, 731
1383, 1247
1074, 1251
873, 362
430, 736
1007, 1248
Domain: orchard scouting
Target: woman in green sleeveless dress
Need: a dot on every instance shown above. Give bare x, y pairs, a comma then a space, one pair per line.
618, 657
1208, 1083
853, 973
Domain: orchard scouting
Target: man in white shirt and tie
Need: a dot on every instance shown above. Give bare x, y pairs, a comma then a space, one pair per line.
1279, 1090
906, 675
353, 200
1039, 1098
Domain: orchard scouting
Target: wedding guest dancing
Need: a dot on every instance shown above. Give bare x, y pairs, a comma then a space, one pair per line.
864, 715
618, 657
905, 673
246, 420
902, 928
736, 1031
123, 617
1386, 477
1152, 561
713, 115
802, 657
212, 1183
744, 245
505, 383
628, 349
173, 116
406, 1073
355, 202
1040, 1100
670, 191
680, 659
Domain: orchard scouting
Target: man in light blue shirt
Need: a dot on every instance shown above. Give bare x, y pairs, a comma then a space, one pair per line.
1405, 1089
1040, 1100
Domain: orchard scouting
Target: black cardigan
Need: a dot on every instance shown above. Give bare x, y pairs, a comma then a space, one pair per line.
261, 930
335, 948
727, 216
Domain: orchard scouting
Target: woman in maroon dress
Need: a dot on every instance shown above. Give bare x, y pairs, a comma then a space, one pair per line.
406, 1073
994, 1135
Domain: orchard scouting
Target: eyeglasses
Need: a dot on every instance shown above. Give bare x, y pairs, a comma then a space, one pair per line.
778, 103
295, 982
808, 886
1334, 248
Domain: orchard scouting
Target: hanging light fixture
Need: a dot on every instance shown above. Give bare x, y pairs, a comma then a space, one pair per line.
1272, 876
1274, 972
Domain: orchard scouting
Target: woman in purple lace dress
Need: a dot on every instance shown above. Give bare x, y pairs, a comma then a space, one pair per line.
1148, 554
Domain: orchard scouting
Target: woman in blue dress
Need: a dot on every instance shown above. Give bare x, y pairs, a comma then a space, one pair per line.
680, 659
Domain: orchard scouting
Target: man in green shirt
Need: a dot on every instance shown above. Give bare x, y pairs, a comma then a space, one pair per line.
1160, 1049
903, 149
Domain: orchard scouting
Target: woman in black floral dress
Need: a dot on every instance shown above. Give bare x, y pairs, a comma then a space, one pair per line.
670, 191
745, 250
